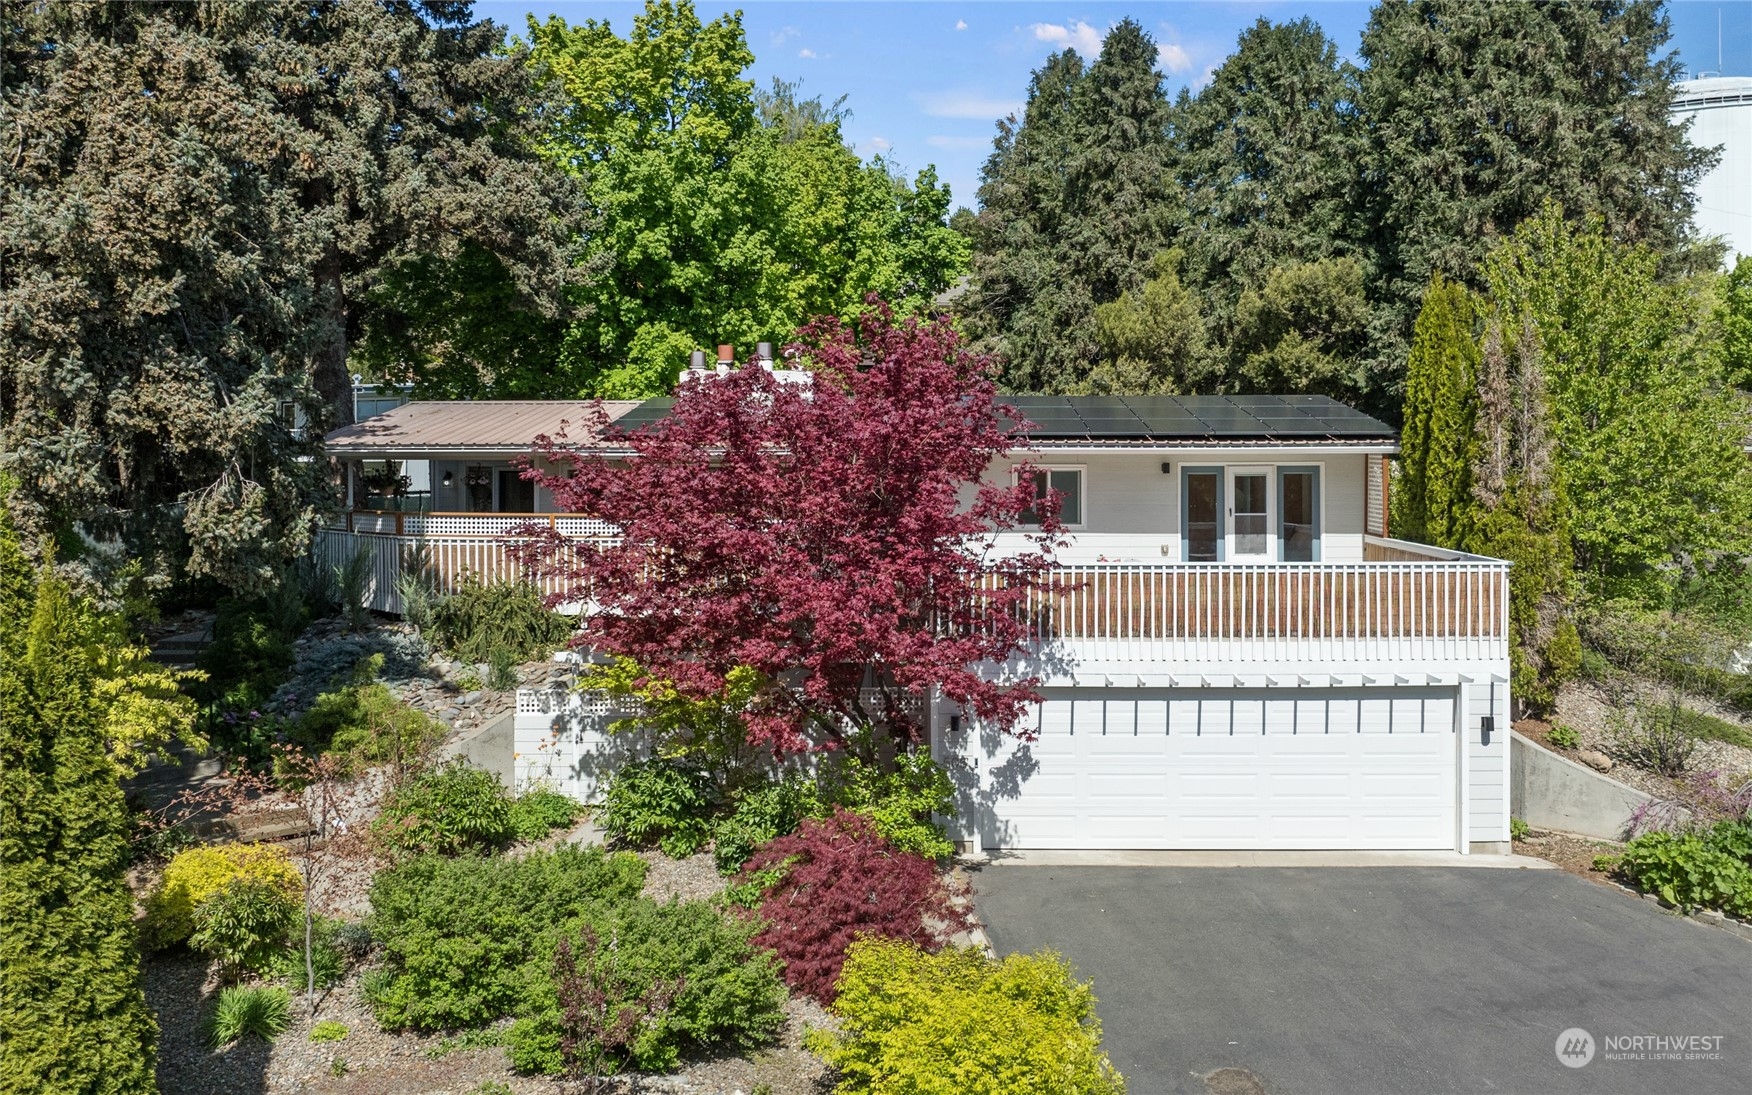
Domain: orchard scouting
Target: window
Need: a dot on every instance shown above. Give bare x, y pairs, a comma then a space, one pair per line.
516, 494
1201, 513
1299, 507
1068, 483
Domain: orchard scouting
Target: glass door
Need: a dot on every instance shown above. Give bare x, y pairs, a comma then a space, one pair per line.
1250, 514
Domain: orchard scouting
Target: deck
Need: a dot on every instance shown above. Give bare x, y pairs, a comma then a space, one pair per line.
1403, 602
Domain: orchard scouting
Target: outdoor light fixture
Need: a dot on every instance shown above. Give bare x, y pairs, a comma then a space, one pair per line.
1486, 724
449, 478
1167, 468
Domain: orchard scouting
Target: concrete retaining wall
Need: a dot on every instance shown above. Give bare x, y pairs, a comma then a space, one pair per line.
1552, 792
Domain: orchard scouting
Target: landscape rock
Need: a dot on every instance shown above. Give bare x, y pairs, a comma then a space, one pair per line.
1595, 759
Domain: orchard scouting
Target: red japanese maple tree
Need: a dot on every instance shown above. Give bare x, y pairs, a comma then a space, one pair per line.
832, 535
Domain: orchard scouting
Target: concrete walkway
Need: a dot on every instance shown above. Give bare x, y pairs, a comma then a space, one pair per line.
1255, 859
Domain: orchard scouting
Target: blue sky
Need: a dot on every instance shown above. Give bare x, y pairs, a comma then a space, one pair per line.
926, 81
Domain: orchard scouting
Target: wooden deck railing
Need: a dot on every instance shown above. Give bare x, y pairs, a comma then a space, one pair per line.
1407, 606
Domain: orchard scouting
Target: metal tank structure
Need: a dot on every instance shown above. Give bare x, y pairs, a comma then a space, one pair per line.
1720, 109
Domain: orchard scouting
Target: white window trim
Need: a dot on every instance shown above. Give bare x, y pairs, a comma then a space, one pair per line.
1082, 471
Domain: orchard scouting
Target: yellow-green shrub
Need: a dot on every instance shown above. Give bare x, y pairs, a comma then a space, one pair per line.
198, 873
959, 1023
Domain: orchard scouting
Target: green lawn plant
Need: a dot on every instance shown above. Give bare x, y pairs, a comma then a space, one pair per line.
328, 1031
960, 1023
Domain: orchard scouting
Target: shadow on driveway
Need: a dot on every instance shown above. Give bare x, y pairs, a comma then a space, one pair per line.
1381, 981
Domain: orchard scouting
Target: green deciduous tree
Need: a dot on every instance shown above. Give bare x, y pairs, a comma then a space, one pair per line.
1152, 339
73, 1018
725, 215
203, 200
1734, 318
1647, 437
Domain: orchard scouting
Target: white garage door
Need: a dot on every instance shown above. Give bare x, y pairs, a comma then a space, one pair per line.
1235, 768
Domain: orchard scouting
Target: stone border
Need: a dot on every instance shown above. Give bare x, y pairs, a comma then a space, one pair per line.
1715, 918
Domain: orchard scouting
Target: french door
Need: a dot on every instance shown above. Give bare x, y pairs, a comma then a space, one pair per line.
1250, 514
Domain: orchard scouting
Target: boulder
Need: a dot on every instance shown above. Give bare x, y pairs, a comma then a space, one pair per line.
1595, 759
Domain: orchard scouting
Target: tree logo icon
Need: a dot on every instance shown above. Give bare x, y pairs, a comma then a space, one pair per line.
1575, 1047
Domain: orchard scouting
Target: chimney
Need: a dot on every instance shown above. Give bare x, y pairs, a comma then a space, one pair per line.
763, 353
696, 362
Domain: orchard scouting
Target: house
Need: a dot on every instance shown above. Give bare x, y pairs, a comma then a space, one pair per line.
1239, 656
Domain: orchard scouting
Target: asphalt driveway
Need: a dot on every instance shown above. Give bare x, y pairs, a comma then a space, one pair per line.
1381, 981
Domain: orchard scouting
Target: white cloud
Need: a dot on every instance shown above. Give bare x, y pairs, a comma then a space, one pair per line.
1173, 58
876, 144
785, 34
809, 53
1085, 38
942, 141
1204, 81
966, 104
960, 24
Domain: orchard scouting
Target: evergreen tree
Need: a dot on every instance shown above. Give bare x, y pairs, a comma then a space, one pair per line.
1022, 306
1734, 320
1120, 208
1076, 206
1304, 330
203, 202
1519, 510
1478, 114
1432, 499
1264, 157
73, 1018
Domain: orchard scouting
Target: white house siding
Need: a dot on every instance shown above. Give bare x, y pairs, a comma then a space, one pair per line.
1131, 507
1487, 816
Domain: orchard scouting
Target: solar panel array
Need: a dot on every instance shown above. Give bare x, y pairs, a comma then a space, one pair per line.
1159, 417
1194, 417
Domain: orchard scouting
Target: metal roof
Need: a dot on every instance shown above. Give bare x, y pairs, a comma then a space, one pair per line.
509, 425
1144, 419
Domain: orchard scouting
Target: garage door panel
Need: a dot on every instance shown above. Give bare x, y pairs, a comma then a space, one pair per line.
1157, 768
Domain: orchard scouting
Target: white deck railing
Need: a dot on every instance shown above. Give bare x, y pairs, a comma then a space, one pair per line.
1263, 612
1402, 603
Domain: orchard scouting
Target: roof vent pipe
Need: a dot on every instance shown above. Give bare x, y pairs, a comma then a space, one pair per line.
696, 362
763, 353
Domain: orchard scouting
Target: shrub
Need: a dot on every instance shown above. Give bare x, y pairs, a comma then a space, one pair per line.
900, 800
1564, 737
198, 873
502, 669
728, 997
365, 722
328, 957
263, 1012
842, 880
478, 619
959, 1023
448, 810
328, 1031
664, 801
1655, 737
539, 811
251, 651
462, 938
245, 924
761, 816
1709, 869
